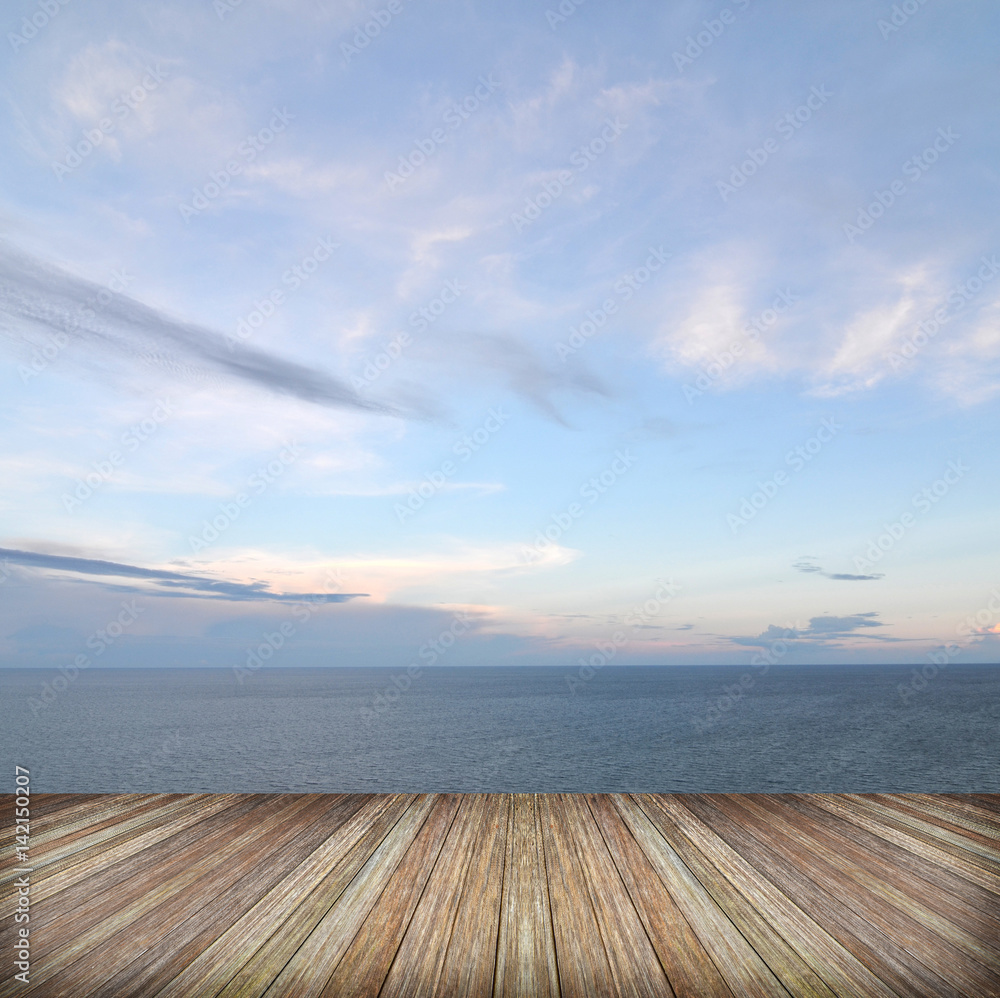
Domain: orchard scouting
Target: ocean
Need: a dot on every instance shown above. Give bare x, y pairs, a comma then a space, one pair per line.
725, 729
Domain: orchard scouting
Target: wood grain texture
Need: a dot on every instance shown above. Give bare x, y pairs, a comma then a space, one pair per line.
743, 968
526, 948
789, 939
582, 961
365, 965
689, 968
508, 895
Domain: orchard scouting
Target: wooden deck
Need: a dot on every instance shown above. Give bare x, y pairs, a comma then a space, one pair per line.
194, 896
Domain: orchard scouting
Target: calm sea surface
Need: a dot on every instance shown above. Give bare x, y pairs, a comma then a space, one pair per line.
817, 728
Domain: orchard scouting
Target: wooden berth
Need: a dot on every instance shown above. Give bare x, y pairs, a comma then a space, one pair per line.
535, 895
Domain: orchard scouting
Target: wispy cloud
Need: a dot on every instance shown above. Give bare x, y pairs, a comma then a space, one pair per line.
821, 629
518, 366
36, 294
808, 566
169, 583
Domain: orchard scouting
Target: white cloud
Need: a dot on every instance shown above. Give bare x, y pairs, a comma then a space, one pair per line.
447, 568
860, 359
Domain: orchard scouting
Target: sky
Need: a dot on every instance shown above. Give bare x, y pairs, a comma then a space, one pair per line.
465, 334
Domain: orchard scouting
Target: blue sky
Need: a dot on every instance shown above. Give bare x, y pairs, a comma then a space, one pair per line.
561, 322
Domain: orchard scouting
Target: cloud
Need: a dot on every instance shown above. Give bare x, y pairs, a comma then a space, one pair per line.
169, 583
819, 630
807, 565
847, 577
859, 360
36, 294
841, 625
517, 365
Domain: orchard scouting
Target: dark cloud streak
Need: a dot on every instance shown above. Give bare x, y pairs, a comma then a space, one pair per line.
807, 565
173, 583
516, 364
38, 294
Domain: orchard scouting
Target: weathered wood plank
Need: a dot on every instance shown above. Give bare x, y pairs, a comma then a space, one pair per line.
237, 947
342, 855
526, 953
950, 818
419, 960
365, 965
60, 815
804, 956
128, 871
869, 946
966, 905
171, 896
582, 961
634, 965
953, 840
289, 842
119, 952
97, 856
742, 968
313, 963
685, 961
964, 808
118, 893
920, 845
901, 927
470, 960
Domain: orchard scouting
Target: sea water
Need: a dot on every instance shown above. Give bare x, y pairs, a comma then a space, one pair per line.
659, 729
